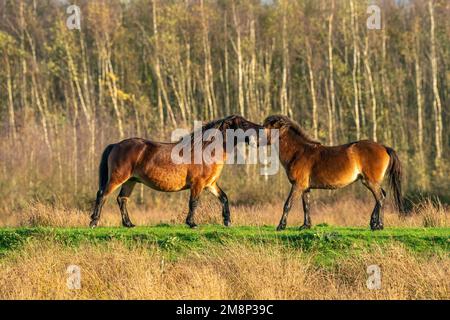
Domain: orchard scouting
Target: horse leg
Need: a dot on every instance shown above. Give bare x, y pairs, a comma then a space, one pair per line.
99, 202
380, 211
221, 195
287, 207
376, 219
193, 203
307, 217
122, 200
112, 185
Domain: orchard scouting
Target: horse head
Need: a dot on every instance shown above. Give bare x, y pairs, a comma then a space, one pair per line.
252, 131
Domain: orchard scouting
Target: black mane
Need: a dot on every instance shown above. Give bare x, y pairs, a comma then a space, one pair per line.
287, 122
214, 124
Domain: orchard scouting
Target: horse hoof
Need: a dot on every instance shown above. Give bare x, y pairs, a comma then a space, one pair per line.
128, 225
227, 223
93, 224
281, 227
377, 227
305, 227
192, 225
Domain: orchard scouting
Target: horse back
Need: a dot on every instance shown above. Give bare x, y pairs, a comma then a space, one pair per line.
155, 168
135, 156
151, 163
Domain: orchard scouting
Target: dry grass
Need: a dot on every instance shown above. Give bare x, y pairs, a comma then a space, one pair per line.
240, 271
433, 214
346, 212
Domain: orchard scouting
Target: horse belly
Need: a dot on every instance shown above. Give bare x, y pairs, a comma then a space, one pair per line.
335, 174
164, 179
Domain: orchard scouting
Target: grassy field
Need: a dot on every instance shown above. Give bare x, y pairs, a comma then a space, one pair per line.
214, 262
328, 241
163, 259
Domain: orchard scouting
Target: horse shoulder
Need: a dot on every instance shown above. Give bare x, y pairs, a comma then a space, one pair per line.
300, 167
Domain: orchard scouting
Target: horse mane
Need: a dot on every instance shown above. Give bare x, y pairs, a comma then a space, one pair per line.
287, 122
214, 124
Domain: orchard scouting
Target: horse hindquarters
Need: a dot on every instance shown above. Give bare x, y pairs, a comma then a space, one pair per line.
115, 169
375, 163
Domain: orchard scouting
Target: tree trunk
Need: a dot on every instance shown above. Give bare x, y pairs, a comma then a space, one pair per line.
372, 89
237, 49
226, 68
74, 136
354, 72
253, 103
112, 87
332, 98
162, 93
312, 89
208, 73
42, 112
24, 87
330, 114
419, 99
284, 78
436, 99
36, 92
11, 113
385, 85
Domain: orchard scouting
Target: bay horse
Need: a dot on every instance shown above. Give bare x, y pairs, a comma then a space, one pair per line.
311, 165
138, 160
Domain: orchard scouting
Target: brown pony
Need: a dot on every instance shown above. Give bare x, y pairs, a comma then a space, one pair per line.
311, 165
138, 160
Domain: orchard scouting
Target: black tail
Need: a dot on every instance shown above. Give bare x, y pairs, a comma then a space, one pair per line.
103, 168
395, 177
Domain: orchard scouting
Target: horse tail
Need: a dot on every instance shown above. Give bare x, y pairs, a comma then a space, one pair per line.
103, 168
395, 179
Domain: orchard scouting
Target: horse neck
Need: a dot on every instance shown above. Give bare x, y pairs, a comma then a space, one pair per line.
222, 148
291, 144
